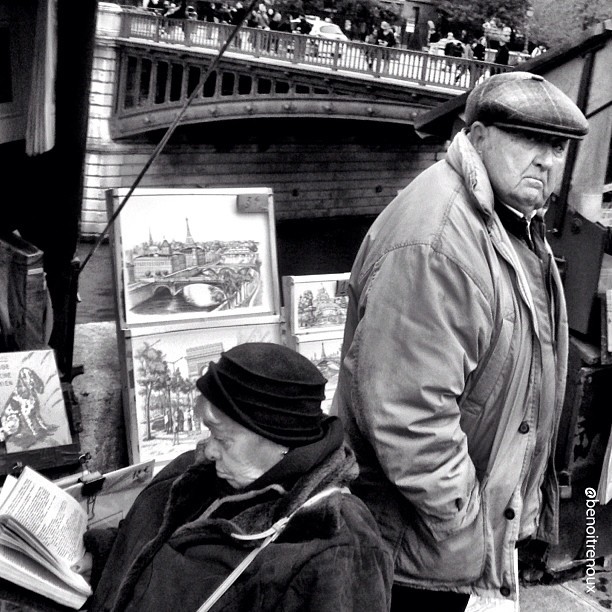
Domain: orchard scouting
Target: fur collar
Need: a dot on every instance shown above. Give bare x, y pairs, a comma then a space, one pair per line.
258, 510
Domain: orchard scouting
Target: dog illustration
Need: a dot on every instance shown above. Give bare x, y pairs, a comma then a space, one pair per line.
21, 418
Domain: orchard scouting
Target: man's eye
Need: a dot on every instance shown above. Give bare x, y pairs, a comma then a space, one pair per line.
558, 148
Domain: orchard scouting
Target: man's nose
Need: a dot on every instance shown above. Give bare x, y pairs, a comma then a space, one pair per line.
545, 155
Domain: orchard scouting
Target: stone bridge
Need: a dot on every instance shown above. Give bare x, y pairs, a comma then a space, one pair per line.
265, 73
328, 125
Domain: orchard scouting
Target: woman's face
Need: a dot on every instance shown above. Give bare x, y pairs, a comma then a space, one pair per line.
241, 456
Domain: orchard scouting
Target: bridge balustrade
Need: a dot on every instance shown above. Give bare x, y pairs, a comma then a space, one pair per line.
358, 58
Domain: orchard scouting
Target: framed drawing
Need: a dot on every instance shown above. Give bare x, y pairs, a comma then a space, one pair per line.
194, 254
315, 303
161, 369
323, 350
35, 427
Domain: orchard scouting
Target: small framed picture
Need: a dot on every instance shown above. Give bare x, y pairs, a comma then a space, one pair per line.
194, 254
315, 303
34, 423
323, 349
161, 369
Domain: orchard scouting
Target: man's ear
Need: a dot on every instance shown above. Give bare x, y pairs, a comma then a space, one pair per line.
478, 134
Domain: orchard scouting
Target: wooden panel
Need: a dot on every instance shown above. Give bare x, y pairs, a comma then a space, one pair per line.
582, 246
351, 175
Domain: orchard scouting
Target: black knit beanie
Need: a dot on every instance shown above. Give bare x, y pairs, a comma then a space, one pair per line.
269, 389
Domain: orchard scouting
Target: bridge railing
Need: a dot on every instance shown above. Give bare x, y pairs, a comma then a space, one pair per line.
401, 64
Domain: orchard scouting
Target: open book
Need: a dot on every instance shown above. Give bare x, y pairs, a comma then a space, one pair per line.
41, 538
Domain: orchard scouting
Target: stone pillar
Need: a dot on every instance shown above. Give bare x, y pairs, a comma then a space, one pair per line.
103, 158
98, 391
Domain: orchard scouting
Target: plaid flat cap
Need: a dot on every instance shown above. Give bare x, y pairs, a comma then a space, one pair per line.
526, 102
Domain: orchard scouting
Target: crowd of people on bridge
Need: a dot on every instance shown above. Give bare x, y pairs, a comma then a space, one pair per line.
264, 16
268, 17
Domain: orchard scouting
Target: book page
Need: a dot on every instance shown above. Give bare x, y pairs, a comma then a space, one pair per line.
16, 538
51, 515
20, 569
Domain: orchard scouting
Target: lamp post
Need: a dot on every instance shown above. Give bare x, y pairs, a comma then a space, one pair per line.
528, 15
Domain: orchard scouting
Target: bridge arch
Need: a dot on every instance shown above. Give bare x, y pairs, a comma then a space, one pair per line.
163, 289
154, 84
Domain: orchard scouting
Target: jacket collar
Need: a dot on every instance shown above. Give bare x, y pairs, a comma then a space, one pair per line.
303, 459
464, 159
255, 509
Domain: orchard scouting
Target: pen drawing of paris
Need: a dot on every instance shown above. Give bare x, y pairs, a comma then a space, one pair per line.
194, 262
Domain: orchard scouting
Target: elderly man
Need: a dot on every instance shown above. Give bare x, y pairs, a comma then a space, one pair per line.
454, 354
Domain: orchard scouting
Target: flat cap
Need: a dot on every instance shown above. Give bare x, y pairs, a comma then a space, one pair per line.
526, 102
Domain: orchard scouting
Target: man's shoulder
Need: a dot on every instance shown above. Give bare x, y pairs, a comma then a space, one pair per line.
423, 207
433, 211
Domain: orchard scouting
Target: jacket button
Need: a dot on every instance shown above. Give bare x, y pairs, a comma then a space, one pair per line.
509, 513
524, 427
505, 591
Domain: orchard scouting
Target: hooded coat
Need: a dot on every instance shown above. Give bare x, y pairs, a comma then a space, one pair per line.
178, 542
439, 386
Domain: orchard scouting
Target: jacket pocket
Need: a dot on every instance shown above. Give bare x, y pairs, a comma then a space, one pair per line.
456, 559
487, 378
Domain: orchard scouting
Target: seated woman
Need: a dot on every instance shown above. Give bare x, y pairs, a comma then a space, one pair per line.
273, 459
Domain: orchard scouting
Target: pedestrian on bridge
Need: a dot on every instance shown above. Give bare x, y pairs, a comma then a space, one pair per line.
386, 35
468, 54
479, 48
455, 350
453, 48
371, 39
386, 38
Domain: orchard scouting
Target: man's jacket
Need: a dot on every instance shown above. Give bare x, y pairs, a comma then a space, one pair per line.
439, 382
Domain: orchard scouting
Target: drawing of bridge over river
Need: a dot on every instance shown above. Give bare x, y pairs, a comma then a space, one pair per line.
225, 276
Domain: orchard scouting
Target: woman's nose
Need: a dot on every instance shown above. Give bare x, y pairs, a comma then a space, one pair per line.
211, 449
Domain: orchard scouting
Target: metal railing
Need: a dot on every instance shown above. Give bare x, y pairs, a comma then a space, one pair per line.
402, 64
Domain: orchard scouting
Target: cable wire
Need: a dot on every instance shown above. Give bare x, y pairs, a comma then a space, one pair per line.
166, 137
